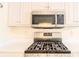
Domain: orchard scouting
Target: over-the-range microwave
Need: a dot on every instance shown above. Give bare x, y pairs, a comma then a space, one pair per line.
48, 19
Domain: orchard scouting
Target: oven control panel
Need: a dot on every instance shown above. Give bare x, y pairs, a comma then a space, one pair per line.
47, 35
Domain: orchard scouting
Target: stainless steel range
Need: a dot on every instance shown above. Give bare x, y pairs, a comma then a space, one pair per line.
48, 42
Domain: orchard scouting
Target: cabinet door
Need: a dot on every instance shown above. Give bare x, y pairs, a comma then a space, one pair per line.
25, 14
69, 14
76, 13
38, 6
14, 14
56, 6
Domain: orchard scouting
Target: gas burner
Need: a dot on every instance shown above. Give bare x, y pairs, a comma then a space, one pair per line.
47, 47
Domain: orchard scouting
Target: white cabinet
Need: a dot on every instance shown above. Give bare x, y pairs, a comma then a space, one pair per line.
72, 14
76, 13
19, 14
47, 6
69, 14
37, 6
59, 6
25, 14
14, 14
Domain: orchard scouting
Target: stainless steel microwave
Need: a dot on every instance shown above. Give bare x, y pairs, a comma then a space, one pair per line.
48, 19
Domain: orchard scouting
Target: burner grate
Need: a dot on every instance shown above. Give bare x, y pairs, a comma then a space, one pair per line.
47, 47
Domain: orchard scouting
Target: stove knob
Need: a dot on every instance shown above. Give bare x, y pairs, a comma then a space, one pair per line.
51, 48
39, 48
54, 48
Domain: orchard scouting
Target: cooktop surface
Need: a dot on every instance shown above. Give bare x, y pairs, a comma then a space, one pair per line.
47, 47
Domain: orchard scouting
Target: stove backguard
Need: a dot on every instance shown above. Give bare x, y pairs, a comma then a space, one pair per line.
45, 36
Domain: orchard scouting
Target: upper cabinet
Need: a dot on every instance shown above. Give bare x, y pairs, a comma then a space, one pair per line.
37, 6
25, 14
19, 14
14, 14
47, 6
72, 14
76, 13
69, 14
56, 6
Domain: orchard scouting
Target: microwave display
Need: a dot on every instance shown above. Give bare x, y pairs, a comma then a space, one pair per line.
47, 34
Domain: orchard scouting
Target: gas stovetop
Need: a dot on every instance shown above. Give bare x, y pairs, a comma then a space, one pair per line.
47, 47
